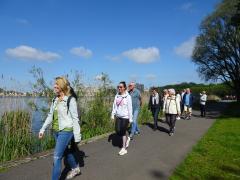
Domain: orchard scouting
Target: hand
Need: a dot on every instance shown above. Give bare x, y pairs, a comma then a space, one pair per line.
112, 118
40, 135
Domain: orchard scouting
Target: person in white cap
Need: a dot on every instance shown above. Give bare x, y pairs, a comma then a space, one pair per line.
171, 108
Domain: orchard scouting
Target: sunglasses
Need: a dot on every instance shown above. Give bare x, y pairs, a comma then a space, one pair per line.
120, 87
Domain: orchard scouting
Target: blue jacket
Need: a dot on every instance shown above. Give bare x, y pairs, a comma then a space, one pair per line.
190, 99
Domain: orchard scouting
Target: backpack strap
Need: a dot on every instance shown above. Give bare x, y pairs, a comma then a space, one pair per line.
68, 103
53, 100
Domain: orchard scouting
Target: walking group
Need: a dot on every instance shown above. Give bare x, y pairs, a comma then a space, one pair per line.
64, 117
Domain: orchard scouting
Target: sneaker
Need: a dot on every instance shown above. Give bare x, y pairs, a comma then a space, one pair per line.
74, 172
131, 136
122, 152
128, 142
178, 118
171, 134
137, 133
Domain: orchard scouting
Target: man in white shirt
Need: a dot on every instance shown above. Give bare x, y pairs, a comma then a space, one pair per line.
203, 100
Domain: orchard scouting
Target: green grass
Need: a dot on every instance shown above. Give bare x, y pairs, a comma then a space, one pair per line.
16, 139
217, 154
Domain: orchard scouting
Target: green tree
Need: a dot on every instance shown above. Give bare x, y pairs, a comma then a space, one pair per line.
217, 49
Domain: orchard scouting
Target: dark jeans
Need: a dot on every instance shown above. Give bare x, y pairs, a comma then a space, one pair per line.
182, 107
121, 126
171, 120
203, 110
155, 112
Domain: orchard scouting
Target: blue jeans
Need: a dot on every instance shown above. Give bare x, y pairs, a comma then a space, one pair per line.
62, 138
134, 127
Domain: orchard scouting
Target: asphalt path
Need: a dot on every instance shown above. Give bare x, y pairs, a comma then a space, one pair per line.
151, 155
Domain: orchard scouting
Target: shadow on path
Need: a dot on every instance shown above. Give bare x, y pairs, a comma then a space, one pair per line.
116, 140
156, 174
160, 128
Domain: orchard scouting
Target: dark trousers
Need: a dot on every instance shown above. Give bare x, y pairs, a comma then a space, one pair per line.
182, 107
203, 110
155, 112
121, 126
171, 120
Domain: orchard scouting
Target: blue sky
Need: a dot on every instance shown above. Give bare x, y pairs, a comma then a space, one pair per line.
148, 41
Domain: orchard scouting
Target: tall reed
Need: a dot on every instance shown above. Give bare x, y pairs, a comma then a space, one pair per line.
16, 138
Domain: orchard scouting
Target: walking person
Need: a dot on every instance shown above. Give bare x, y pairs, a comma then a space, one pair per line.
188, 102
122, 113
165, 95
178, 96
203, 100
154, 105
63, 116
171, 108
164, 98
181, 103
136, 104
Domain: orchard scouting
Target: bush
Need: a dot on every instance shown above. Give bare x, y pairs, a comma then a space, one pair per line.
144, 115
96, 120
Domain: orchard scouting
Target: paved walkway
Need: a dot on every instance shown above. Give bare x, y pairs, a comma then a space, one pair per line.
152, 155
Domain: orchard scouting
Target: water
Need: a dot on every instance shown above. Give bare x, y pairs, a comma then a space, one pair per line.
23, 103
38, 116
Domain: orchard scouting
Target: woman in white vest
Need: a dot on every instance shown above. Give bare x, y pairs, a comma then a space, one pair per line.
171, 108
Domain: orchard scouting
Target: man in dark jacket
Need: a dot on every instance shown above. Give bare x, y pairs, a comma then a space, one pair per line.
155, 102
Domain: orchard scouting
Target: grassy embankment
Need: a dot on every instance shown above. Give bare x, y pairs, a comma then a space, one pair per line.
217, 154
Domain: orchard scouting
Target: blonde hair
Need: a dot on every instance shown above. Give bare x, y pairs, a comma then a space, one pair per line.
63, 84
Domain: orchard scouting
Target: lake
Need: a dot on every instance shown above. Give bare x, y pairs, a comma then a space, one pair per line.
23, 103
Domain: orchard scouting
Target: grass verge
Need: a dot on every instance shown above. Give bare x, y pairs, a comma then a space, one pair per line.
217, 154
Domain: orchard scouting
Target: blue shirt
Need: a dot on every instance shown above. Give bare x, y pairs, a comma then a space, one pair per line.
136, 96
187, 99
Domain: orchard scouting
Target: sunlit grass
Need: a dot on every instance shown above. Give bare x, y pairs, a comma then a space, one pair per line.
217, 154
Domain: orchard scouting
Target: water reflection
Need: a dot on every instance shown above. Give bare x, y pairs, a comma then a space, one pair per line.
26, 103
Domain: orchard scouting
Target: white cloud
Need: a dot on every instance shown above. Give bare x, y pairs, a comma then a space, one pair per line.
187, 6
81, 52
151, 77
186, 48
142, 55
30, 53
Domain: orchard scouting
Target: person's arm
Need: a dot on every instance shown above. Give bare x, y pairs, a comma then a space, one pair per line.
48, 119
74, 114
129, 106
140, 99
164, 105
178, 106
114, 108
